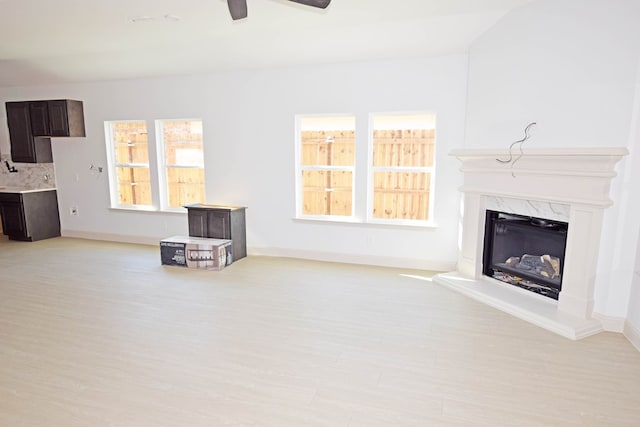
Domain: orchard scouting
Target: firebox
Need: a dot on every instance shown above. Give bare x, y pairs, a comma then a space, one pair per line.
525, 251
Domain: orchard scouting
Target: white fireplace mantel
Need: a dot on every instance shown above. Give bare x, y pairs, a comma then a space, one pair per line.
570, 181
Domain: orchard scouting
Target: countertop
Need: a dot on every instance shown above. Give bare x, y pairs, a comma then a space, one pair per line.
9, 189
208, 206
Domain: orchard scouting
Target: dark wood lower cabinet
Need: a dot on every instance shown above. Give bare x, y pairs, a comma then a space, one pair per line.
220, 222
12, 218
30, 216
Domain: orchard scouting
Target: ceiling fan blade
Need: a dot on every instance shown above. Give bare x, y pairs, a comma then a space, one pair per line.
322, 4
237, 9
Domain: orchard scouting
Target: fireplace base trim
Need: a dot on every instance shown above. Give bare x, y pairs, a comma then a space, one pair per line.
538, 310
633, 334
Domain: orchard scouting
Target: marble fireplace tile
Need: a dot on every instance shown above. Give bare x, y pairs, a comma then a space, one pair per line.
533, 208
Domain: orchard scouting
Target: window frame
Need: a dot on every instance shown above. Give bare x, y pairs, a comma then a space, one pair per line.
371, 169
300, 168
363, 172
114, 188
163, 167
156, 165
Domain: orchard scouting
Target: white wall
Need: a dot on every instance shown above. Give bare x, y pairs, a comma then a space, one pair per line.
249, 152
632, 328
568, 65
571, 66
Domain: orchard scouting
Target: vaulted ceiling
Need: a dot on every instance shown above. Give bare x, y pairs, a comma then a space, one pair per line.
48, 42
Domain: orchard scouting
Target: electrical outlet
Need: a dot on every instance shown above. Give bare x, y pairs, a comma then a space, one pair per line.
73, 210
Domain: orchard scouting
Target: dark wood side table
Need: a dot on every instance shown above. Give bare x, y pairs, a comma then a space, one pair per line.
220, 222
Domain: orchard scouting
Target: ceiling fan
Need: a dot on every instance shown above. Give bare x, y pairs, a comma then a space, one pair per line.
238, 8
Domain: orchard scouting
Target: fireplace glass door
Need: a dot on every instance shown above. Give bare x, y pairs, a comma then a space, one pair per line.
524, 251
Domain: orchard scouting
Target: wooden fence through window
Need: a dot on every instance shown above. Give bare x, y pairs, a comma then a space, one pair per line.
400, 190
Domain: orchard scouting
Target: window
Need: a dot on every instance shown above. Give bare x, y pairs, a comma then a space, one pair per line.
130, 162
402, 167
147, 173
394, 169
183, 162
326, 147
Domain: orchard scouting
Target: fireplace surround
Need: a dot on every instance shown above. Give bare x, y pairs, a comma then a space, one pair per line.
568, 185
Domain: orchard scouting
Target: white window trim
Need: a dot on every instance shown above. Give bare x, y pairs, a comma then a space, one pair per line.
371, 169
156, 166
112, 168
162, 165
300, 168
363, 214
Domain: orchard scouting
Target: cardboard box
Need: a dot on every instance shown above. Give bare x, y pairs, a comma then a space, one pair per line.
196, 252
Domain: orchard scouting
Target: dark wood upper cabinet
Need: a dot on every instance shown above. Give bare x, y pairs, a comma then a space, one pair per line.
57, 118
25, 148
32, 124
39, 116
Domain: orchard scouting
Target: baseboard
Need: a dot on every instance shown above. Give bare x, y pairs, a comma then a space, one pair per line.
412, 263
111, 237
383, 261
620, 325
610, 323
633, 334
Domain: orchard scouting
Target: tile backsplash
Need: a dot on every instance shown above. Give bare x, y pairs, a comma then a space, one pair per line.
32, 175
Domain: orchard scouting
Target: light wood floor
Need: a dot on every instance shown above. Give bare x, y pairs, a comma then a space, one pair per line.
100, 334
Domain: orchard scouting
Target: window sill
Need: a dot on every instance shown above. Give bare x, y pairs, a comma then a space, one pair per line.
360, 222
150, 209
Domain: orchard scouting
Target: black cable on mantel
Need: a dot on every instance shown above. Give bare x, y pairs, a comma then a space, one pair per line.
11, 169
520, 141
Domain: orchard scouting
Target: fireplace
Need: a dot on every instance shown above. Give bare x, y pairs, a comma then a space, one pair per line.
565, 191
525, 251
